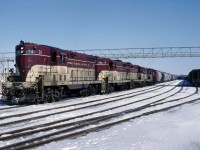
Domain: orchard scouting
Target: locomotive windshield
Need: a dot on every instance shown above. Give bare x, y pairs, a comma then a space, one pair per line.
140, 70
19, 50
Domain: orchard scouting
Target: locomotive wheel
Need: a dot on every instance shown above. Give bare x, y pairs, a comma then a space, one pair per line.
87, 92
47, 95
91, 90
122, 88
55, 96
81, 92
98, 89
84, 92
48, 98
110, 89
127, 87
133, 86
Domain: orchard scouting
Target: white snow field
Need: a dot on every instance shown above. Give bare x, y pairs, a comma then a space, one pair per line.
175, 129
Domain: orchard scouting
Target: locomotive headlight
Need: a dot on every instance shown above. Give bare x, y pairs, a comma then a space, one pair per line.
22, 52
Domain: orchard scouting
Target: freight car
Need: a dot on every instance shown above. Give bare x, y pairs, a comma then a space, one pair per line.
194, 77
45, 74
157, 76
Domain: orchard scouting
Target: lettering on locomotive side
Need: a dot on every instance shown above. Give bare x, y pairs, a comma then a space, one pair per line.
70, 63
77, 64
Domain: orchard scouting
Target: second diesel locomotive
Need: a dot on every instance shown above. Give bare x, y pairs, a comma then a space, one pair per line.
45, 74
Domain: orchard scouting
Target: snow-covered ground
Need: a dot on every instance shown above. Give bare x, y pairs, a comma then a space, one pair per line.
177, 128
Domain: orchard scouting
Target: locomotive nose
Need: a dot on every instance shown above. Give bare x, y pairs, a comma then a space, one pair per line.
25, 59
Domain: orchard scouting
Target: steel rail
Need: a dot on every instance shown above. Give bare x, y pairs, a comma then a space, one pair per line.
72, 98
83, 107
16, 131
69, 105
34, 142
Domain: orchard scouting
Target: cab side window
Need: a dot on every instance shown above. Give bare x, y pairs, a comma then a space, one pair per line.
62, 58
53, 56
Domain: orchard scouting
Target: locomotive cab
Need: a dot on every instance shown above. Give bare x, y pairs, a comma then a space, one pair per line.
16, 87
26, 57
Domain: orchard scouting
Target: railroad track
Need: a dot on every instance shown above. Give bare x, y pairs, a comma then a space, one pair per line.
119, 106
10, 107
81, 127
76, 104
130, 95
96, 112
17, 134
137, 90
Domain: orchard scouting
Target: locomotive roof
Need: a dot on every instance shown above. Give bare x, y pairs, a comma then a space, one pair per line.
22, 43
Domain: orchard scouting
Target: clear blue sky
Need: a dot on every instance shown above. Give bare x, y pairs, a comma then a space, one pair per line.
88, 24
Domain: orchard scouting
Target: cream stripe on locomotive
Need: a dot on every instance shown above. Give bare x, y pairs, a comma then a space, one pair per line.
117, 76
60, 74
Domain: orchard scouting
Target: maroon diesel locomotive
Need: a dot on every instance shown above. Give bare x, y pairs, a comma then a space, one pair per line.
45, 74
